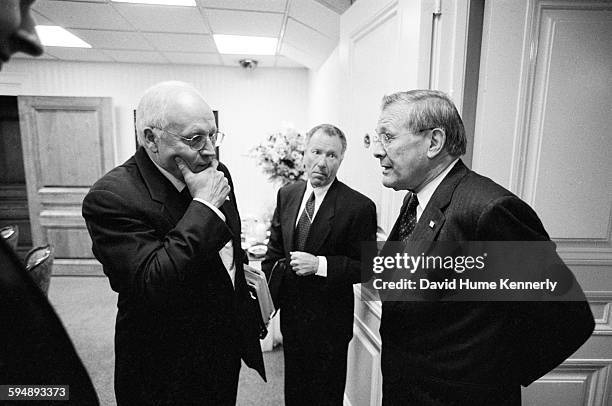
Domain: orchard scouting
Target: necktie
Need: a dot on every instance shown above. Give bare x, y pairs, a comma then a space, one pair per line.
303, 226
409, 220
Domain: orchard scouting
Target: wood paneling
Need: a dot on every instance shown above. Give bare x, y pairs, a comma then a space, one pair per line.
13, 196
67, 146
542, 130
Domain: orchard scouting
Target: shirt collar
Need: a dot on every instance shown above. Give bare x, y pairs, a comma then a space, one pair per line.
425, 194
319, 192
177, 183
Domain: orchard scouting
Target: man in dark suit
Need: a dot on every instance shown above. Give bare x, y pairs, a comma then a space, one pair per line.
34, 346
318, 227
460, 353
166, 229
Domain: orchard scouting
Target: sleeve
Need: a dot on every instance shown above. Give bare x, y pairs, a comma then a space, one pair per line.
276, 249
545, 332
509, 219
139, 261
343, 269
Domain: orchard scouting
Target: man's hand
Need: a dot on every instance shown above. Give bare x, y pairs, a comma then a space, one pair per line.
209, 185
303, 263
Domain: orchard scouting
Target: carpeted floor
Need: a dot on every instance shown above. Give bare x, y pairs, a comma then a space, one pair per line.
87, 307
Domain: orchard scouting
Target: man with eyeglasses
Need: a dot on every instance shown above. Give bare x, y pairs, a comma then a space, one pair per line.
165, 227
460, 353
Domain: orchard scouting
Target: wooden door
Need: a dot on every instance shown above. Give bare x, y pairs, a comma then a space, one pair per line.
67, 146
543, 129
13, 196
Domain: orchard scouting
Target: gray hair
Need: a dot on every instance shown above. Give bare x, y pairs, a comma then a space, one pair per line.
431, 109
330, 130
153, 105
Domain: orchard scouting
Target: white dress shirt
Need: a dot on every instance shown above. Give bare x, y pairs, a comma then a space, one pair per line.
227, 252
424, 195
319, 193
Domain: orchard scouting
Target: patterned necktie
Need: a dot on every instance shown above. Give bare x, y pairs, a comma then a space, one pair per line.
409, 220
301, 231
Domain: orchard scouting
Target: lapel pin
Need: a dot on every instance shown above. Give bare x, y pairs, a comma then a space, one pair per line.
432, 224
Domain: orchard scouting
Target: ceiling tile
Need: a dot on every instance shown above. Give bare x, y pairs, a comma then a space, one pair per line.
264, 61
316, 16
78, 54
135, 56
70, 14
244, 23
253, 5
163, 18
339, 6
42, 20
187, 58
284, 62
182, 42
308, 40
114, 39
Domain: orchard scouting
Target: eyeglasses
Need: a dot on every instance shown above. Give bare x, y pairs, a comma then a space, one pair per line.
385, 139
198, 141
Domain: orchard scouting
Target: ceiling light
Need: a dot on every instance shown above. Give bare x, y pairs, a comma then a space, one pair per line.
190, 3
56, 36
238, 44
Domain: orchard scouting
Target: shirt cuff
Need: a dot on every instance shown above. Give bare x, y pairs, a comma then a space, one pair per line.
213, 208
322, 269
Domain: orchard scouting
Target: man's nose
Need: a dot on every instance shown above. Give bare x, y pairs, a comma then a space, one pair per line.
208, 148
322, 163
25, 39
377, 150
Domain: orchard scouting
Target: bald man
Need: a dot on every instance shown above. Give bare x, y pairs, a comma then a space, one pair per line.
165, 227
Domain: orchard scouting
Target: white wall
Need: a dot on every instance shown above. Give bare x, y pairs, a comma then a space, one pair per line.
326, 96
250, 104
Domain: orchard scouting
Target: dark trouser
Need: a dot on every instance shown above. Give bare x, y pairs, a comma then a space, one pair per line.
405, 385
314, 374
215, 383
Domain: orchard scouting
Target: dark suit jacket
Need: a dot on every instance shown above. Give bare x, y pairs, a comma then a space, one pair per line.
34, 347
313, 307
470, 353
179, 322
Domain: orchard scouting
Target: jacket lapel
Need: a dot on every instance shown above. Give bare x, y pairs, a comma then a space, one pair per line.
289, 216
162, 191
433, 218
321, 225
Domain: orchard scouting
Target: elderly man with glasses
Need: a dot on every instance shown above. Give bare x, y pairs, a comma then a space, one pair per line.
165, 227
440, 352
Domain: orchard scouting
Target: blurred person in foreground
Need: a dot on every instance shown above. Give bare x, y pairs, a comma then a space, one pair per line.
34, 346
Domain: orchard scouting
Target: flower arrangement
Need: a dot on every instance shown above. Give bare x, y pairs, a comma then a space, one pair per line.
280, 156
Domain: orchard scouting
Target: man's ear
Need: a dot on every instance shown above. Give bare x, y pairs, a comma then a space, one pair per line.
437, 143
150, 139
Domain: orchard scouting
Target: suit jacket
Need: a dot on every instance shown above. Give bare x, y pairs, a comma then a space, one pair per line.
313, 307
34, 346
475, 352
179, 318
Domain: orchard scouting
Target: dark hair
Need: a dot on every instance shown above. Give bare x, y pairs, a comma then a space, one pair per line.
431, 109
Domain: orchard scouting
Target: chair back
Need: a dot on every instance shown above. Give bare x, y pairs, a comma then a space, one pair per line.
10, 235
39, 264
